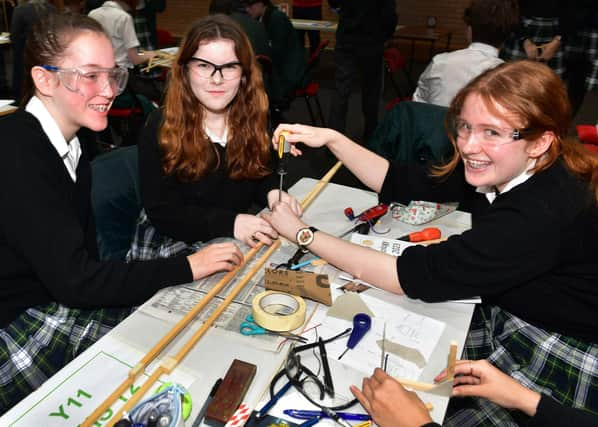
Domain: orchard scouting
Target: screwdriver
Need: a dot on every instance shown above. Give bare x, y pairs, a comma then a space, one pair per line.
361, 324
430, 233
284, 148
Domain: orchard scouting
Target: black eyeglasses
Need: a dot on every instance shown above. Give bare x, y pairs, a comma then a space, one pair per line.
207, 70
306, 381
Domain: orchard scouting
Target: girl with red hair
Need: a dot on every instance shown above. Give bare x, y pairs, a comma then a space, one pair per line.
531, 251
205, 157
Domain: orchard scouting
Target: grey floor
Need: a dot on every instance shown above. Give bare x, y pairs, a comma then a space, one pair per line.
316, 162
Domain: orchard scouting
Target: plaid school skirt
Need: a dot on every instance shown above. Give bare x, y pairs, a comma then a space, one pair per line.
585, 44
148, 243
43, 339
540, 31
561, 367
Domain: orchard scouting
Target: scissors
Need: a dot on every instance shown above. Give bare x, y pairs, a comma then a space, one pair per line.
249, 327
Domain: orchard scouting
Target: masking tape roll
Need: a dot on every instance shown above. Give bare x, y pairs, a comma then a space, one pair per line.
278, 311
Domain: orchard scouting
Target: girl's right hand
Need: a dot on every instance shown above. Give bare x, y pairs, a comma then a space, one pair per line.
213, 258
308, 135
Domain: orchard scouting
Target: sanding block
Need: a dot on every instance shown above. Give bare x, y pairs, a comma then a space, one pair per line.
231, 392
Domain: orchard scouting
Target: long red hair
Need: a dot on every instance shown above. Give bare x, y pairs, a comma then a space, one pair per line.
187, 152
534, 98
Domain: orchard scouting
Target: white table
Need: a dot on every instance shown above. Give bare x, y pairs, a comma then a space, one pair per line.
90, 376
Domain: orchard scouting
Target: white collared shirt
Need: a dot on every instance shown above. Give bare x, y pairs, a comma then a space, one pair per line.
215, 138
70, 151
490, 192
449, 72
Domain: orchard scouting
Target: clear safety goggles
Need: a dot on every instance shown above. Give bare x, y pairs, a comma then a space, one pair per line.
91, 79
488, 135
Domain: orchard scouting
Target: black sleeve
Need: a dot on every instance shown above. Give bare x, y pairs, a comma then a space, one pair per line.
486, 260
406, 182
169, 211
45, 230
551, 413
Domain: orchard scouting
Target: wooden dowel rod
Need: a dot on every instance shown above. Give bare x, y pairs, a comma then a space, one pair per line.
316, 190
198, 334
319, 186
152, 354
164, 341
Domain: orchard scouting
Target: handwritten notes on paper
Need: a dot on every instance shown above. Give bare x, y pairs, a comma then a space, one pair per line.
410, 339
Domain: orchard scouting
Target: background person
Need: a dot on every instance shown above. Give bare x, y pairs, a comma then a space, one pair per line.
288, 56
24, 17
489, 23
512, 161
205, 156
118, 23
56, 298
358, 53
312, 10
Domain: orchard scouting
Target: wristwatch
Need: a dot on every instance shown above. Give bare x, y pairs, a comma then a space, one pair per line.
305, 236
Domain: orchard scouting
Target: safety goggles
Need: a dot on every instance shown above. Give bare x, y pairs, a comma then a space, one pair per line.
489, 136
91, 79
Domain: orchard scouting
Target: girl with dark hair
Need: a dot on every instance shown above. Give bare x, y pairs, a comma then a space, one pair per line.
56, 297
531, 252
205, 156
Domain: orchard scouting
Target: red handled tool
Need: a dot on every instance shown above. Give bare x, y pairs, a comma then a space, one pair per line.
430, 233
373, 213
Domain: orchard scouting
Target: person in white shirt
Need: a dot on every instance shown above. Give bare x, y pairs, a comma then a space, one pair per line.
118, 23
489, 23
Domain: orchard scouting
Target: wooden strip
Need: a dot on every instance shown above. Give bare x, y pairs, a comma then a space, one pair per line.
418, 385
452, 360
150, 356
167, 339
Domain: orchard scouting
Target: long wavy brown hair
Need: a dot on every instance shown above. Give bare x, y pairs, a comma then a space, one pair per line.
535, 99
187, 152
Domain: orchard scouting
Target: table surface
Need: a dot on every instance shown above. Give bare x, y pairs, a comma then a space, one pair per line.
421, 32
314, 25
68, 390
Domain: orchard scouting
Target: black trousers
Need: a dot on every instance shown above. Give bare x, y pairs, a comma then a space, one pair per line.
350, 61
313, 36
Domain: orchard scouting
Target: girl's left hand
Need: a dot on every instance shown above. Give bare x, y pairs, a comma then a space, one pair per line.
252, 229
284, 220
285, 198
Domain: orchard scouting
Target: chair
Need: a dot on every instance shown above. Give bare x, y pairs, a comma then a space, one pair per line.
310, 88
126, 118
165, 38
115, 200
412, 132
394, 62
588, 135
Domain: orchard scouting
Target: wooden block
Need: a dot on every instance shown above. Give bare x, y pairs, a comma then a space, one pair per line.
231, 392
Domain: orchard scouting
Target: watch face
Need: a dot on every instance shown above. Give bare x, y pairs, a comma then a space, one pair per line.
305, 236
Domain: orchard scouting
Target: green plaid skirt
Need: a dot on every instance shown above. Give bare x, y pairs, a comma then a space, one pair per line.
148, 243
585, 43
539, 31
561, 367
43, 339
